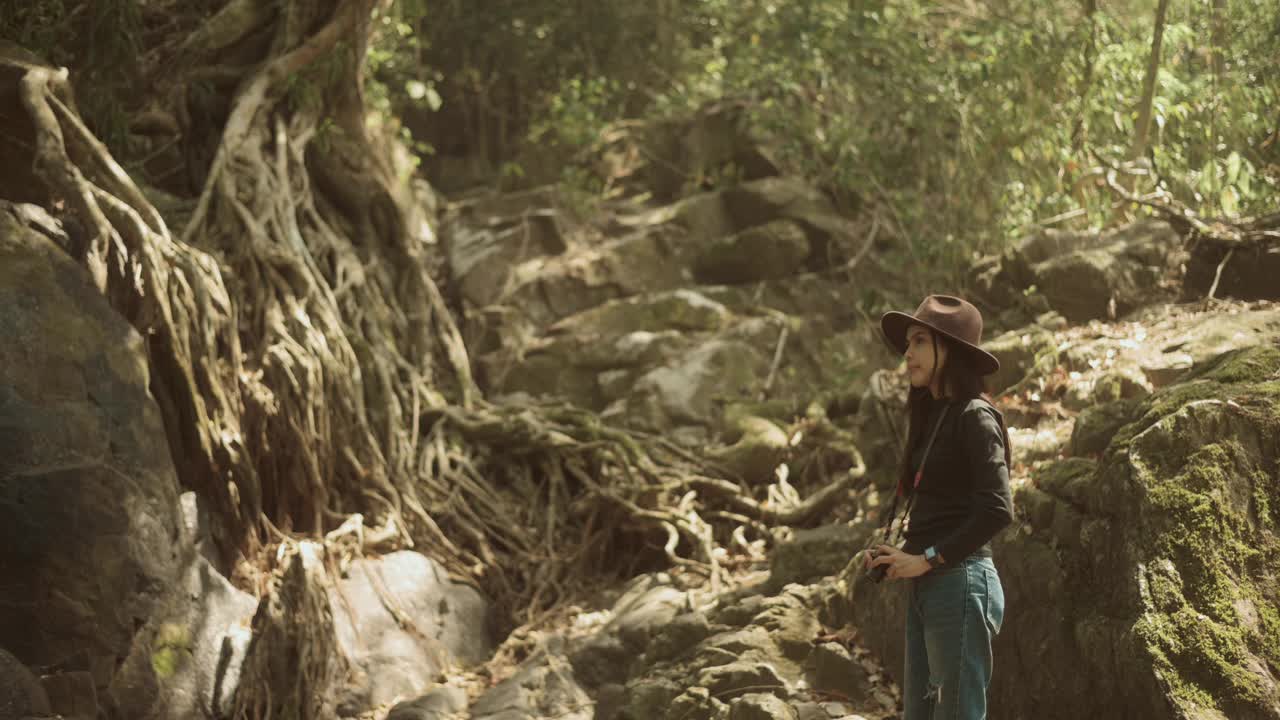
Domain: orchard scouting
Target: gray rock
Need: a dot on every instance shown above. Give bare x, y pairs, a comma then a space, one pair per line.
790, 622
446, 623
71, 694
1095, 427
770, 251
813, 553
438, 704
688, 389
761, 706
650, 697
648, 603
832, 669
188, 657
696, 703
677, 636
542, 687
21, 693
90, 525
1248, 274
741, 677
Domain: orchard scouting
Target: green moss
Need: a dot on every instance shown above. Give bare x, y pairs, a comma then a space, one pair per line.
170, 647
1247, 365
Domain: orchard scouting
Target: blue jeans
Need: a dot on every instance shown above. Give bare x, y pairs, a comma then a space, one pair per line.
952, 615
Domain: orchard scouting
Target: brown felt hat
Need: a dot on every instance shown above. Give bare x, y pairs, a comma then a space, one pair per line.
950, 316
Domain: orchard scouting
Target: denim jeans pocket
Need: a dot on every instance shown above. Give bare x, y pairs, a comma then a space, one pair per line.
995, 601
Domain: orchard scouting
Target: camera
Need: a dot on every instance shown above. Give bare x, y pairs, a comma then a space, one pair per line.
878, 572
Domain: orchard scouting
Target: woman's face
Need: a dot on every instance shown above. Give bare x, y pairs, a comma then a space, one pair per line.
921, 368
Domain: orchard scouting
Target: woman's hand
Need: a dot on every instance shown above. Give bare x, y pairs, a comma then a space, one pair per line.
900, 564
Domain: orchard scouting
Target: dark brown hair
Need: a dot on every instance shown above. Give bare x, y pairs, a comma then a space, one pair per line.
960, 381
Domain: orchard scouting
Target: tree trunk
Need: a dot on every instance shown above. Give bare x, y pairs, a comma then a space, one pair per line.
1086, 80
1143, 126
1218, 39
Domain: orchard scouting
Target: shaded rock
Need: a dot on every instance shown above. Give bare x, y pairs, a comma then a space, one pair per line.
1095, 427
714, 139
679, 635
770, 251
696, 703
760, 446
436, 623
737, 643
650, 697
21, 693
439, 704
647, 605
745, 676
72, 694
603, 659
1250, 272
90, 525
813, 553
542, 687
1121, 384
880, 408
675, 310
687, 390
609, 700
761, 706
1018, 352
1168, 369
1084, 275
188, 657
487, 239
832, 669
790, 622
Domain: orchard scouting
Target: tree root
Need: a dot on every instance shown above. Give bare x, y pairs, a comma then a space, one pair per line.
308, 368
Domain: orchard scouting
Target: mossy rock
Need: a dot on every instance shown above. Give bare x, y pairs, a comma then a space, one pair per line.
1208, 523
770, 251
1019, 352
1095, 427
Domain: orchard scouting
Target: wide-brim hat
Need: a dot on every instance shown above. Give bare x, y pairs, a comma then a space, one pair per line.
947, 315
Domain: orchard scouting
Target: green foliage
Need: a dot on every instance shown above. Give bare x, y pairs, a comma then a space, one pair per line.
961, 125
99, 39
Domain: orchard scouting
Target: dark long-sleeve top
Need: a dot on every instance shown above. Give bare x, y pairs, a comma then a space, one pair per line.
963, 500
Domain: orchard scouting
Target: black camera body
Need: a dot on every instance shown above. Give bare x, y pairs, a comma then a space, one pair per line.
878, 572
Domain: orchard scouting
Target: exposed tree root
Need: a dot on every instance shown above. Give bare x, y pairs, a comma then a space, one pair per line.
308, 369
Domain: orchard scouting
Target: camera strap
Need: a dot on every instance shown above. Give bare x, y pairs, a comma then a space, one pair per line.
893, 511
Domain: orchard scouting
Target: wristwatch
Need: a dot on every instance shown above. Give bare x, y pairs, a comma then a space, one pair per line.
932, 556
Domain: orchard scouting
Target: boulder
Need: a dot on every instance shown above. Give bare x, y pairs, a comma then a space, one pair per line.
741, 677
761, 706
1084, 275
832, 669
439, 704
400, 621
188, 657
688, 390
696, 703
90, 523
1018, 351
72, 694
1248, 273
542, 687
771, 251
1095, 427
813, 553
21, 693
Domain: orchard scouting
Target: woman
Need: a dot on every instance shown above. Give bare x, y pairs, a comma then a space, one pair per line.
955, 475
